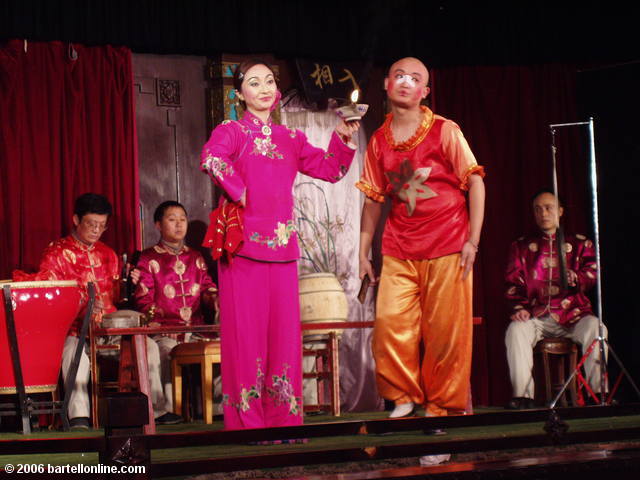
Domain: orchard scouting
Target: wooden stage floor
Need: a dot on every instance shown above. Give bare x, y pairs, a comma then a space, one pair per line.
367, 445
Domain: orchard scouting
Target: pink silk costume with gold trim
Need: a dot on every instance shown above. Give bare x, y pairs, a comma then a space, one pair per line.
533, 272
70, 259
422, 296
173, 284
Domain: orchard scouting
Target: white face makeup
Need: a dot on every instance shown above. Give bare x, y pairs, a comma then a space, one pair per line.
405, 79
406, 84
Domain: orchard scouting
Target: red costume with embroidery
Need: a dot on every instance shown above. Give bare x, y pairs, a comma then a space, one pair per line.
426, 176
70, 259
533, 275
172, 283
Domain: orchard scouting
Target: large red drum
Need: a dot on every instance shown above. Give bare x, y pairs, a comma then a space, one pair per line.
43, 312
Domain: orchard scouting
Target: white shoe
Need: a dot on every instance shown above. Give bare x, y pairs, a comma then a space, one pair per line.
430, 460
402, 410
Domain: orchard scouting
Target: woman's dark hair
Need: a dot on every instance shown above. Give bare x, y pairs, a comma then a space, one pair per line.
163, 207
241, 70
92, 203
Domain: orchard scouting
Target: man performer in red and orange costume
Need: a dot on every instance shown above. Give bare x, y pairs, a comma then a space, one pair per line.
424, 164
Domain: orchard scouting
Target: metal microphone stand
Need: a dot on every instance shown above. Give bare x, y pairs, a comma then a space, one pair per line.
601, 340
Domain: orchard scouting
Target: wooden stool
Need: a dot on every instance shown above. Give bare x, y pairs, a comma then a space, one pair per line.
204, 353
327, 370
567, 351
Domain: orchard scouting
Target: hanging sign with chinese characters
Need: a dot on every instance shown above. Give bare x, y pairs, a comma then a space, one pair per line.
337, 80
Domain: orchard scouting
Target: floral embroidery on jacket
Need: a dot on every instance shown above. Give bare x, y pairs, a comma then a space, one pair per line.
263, 146
341, 173
217, 166
283, 394
283, 233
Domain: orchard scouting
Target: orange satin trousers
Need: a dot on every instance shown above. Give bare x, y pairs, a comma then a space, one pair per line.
424, 301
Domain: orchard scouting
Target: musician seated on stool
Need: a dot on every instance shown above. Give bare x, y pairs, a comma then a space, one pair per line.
172, 281
541, 307
83, 258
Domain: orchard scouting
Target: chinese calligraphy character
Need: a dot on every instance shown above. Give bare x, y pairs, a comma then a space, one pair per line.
322, 75
349, 76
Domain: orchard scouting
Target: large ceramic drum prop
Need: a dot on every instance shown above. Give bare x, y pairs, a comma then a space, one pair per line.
43, 312
322, 300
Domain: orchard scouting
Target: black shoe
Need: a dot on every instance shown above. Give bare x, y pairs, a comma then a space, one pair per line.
79, 423
520, 403
169, 418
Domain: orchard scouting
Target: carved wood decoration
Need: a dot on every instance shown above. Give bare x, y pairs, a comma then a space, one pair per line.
168, 93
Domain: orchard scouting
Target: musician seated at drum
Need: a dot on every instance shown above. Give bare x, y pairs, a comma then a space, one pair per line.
540, 305
81, 256
172, 283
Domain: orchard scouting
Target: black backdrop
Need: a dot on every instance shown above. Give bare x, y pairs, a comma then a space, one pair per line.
610, 95
442, 32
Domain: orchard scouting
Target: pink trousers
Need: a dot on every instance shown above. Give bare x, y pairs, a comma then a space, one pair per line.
261, 344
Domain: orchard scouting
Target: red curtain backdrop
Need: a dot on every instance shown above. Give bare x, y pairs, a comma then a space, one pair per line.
505, 114
67, 126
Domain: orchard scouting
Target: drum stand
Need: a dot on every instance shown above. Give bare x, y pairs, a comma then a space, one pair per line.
25, 406
601, 340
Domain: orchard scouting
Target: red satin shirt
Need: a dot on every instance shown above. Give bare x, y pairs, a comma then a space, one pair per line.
426, 178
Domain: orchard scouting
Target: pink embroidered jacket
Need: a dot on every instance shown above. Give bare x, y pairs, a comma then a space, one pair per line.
173, 284
263, 160
533, 274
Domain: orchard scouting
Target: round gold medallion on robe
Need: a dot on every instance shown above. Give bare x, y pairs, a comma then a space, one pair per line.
195, 289
266, 130
69, 256
200, 263
533, 246
154, 266
169, 291
179, 267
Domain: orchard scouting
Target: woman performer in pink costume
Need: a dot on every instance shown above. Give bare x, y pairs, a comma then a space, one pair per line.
255, 162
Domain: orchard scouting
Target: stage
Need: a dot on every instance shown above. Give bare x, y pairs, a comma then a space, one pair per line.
493, 443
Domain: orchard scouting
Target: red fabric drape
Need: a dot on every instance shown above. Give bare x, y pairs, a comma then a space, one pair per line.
66, 127
505, 114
